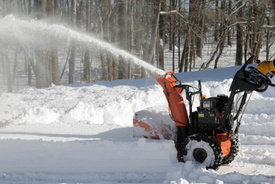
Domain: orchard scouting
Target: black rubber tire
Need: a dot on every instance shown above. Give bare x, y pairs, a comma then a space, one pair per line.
202, 149
234, 150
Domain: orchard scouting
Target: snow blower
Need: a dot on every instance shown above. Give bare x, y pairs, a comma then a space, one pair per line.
209, 135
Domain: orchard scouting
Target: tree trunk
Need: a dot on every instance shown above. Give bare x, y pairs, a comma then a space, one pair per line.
87, 66
137, 36
150, 48
239, 48
192, 52
6, 67
172, 26
72, 64
104, 66
161, 38
184, 56
123, 36
29, 71
74, 8
267, 38
216, 21
54, 63
200, 34
110, 66
54, 51
193, 7
160, 53
41, 69
229, 32
220, 50
87, 58
186, 50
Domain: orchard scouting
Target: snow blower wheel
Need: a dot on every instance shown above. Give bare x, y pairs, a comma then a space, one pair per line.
202, 149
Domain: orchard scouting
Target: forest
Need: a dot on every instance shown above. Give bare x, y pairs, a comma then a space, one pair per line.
144, 28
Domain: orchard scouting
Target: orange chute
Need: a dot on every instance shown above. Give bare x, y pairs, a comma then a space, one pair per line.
174, 98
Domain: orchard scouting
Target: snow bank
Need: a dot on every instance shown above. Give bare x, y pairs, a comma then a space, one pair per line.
93, 105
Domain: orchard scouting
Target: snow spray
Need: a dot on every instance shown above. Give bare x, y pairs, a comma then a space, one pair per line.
37, 32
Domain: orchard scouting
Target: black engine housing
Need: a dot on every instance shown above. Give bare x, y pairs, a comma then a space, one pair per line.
208, 117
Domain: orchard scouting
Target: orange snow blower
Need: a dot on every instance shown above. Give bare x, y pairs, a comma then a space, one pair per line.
209, 135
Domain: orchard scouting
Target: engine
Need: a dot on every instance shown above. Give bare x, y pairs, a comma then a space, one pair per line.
209, 114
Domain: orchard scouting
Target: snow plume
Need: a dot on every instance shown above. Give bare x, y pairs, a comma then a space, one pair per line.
35, 33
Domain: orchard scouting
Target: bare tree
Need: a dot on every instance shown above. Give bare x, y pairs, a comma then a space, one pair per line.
75, 16
104, 16
149, 47
6, 66
54, 50
229, 31
200, 35
216, 35
122, 37
87, 58
239, 48
220, 46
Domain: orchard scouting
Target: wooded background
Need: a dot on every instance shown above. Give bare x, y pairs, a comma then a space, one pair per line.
143, 28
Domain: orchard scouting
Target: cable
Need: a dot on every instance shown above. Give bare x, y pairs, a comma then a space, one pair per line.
245, 106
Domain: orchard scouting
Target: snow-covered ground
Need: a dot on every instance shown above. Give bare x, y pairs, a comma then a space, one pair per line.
83, 134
